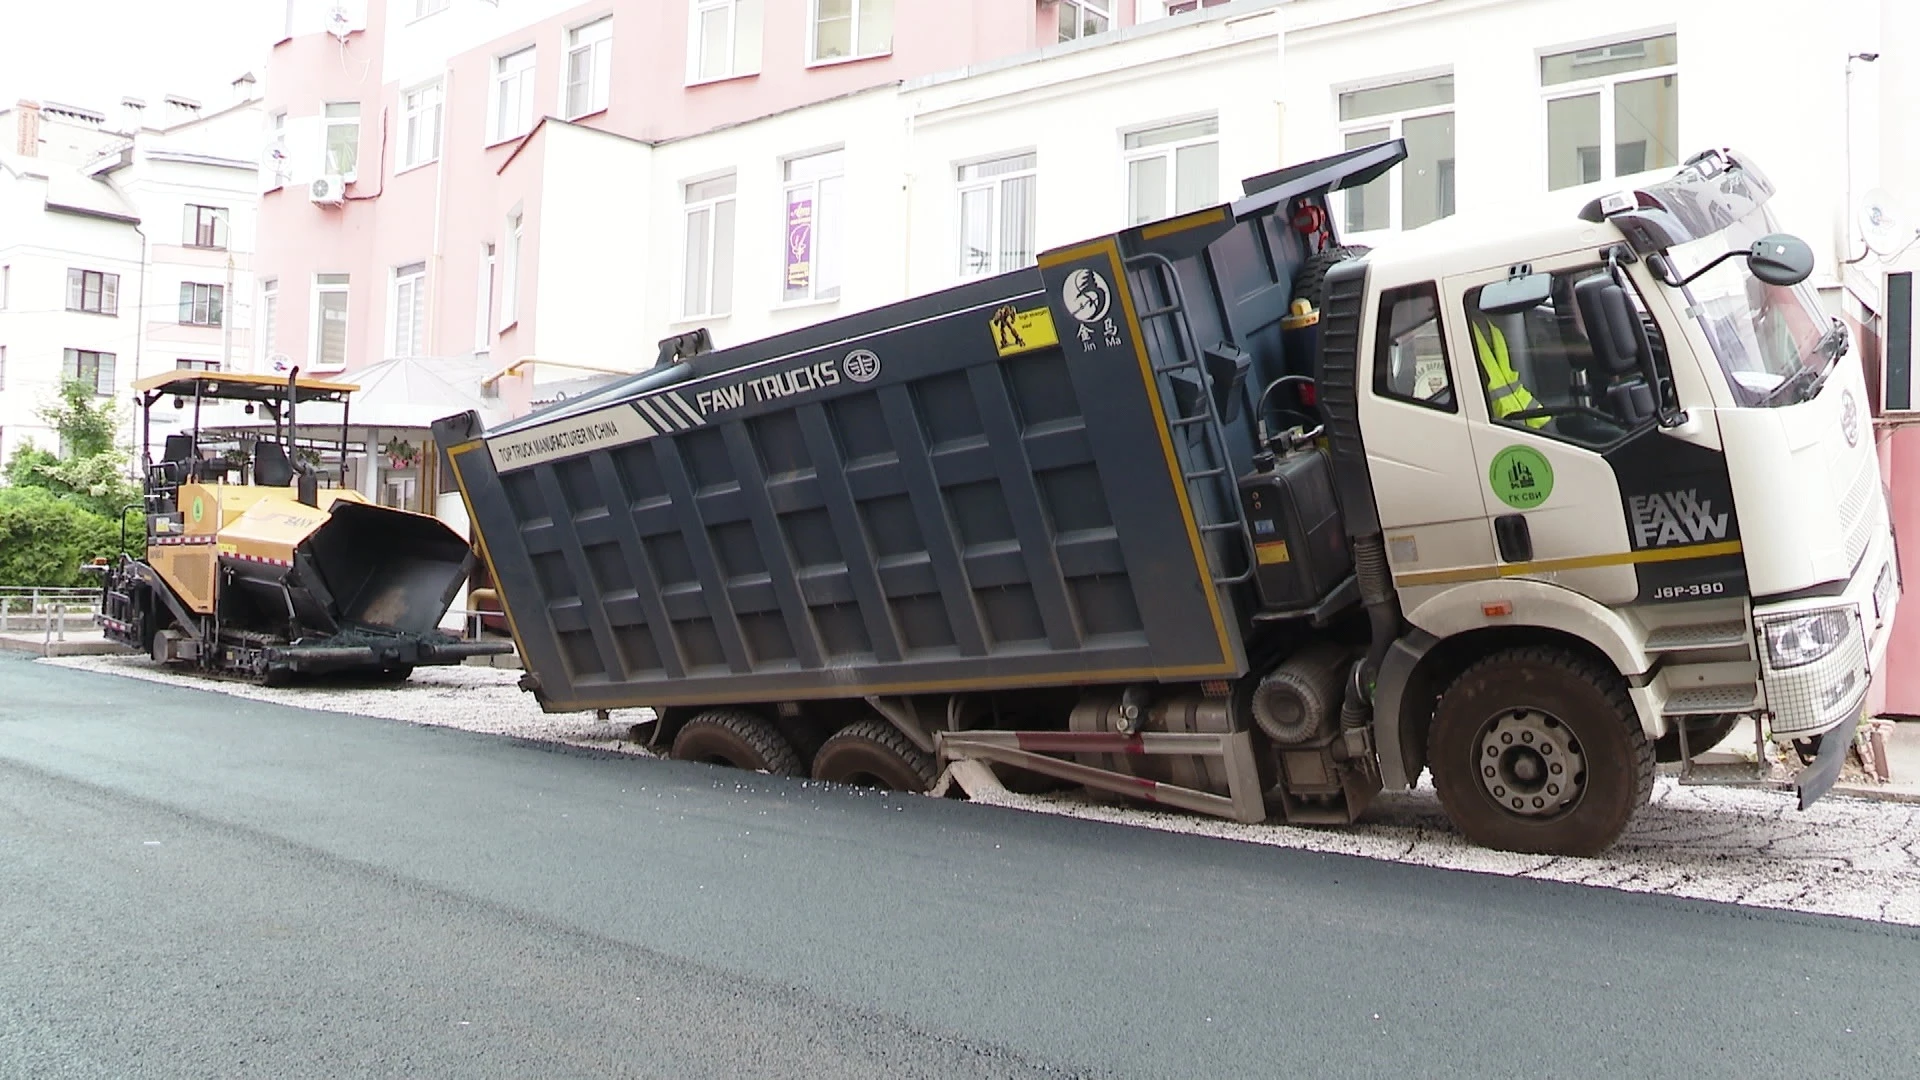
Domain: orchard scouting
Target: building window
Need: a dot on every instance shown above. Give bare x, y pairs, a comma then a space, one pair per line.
410, 310
589, 65
1421, 189
424, 8
513, 94
420, 109
330, 321
6, 285
1172, 170
1084, 18
184, 364
849, 29
343, 138
3, 367
725, 39
483, 306
206, 226
200, 304
814, 192
1181, 7
707, 289
997, 215
275, 165
269, 321
1630, 89
91, 290
510, 284
93, 369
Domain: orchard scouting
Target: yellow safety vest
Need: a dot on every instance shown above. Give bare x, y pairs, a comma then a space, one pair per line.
1504, 389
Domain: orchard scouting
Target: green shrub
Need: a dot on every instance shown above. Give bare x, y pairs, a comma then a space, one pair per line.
44, 538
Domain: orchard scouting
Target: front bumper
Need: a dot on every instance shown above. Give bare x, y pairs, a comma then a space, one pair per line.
1821, 696
397, 652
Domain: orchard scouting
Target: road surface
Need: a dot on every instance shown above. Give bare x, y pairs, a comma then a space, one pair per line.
193, 884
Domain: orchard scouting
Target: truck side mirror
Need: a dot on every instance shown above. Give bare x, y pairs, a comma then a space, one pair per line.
1780, 259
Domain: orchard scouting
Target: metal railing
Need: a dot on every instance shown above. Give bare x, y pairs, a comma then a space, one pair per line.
51, 611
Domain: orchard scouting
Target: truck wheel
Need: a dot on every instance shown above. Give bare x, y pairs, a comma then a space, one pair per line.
1538, 750
873, 753
1703, 734
737, 738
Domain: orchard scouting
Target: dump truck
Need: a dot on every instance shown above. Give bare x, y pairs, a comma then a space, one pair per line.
253, 569
1222, 514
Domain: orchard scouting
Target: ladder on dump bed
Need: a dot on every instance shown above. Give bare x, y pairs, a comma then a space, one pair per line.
1194, 412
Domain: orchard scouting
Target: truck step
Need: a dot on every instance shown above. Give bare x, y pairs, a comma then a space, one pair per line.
1718, 635
1709, 700
1730, 774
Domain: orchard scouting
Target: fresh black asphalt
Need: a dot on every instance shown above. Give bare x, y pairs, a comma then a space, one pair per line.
196, 885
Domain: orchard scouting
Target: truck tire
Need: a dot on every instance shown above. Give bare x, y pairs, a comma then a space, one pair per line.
1310, 283
874, 753
737, 738
1703, 734
1540, 751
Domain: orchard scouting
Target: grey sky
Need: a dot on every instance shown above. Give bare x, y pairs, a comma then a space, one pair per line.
91, 53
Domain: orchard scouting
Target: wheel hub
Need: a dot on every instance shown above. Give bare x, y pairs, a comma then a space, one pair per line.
1530, 763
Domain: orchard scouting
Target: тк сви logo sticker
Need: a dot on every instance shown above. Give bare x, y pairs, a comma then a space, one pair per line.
1521, 477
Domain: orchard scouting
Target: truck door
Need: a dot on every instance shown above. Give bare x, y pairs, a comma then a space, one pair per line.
1551, 426
1420, 451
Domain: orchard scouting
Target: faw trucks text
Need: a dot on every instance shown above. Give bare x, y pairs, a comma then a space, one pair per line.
800, 380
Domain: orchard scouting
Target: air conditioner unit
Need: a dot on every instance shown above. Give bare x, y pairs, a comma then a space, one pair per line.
330, 190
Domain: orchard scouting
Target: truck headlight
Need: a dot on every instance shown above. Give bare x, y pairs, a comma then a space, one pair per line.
1802, 639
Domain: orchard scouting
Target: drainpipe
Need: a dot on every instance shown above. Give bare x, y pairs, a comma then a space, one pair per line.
139, 341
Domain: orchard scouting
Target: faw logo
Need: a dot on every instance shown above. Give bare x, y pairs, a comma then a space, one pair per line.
1675, 517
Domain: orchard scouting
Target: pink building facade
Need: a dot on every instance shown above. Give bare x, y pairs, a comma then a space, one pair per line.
411, 151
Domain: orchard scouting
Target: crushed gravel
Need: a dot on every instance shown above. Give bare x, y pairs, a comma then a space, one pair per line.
1844, 856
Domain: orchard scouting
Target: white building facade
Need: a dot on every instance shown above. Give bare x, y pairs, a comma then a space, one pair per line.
125, 249
914, 187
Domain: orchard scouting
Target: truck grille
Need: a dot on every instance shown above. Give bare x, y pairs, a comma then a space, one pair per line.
1861, 512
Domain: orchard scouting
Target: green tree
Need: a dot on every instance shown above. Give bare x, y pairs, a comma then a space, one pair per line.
90, 471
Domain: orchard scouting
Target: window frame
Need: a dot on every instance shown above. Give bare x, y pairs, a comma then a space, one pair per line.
425, 8
1393, 122
996, 186
510, 265
410, 114
408, 303
195, 223
202, 304
818, 237
110, 309
736, 67
711, 206
1080, 8
1382, 338
599, 48
854, 56
1604, 87
269, 320
327, 124
497, 131
1169, 151
323, 288
70, 360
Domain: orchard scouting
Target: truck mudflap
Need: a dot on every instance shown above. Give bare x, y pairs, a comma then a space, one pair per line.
1819, 775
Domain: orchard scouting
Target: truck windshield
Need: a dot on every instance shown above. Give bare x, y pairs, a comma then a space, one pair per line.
1775, 343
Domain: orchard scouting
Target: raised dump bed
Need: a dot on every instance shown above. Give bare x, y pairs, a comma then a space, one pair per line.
1026, 481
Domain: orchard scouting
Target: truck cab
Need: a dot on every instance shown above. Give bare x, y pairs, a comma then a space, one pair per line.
1629, 432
